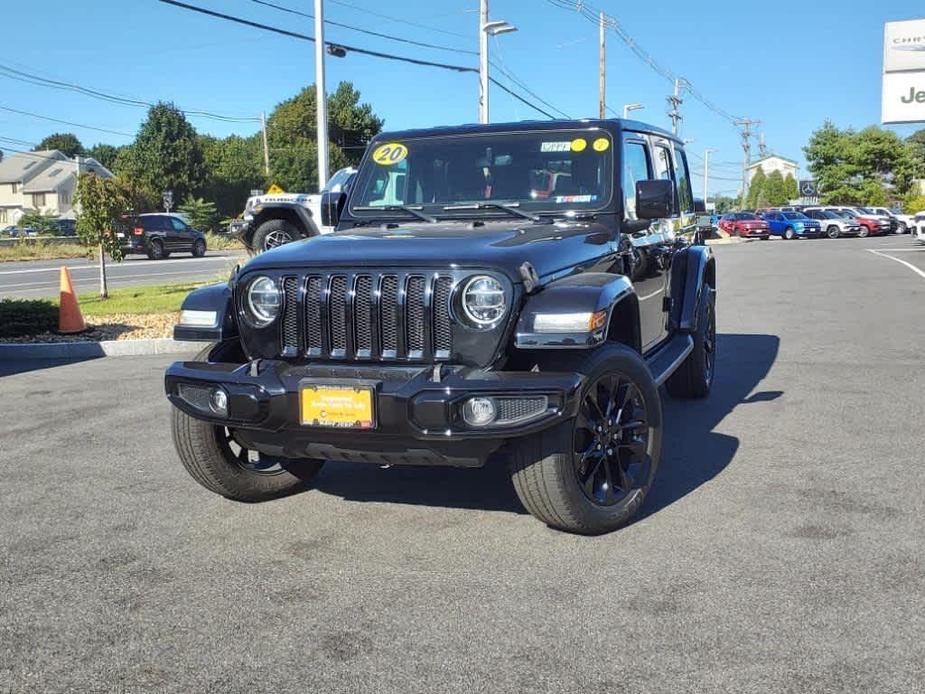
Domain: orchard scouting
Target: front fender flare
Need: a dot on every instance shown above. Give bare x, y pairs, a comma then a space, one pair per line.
585, 293
285, 210
212, 297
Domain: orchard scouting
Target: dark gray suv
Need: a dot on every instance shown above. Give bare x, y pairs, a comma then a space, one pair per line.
158, 235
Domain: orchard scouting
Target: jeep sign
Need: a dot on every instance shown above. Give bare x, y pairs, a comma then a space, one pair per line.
904, 72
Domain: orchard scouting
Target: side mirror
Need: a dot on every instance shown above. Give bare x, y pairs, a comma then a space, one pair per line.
332, 204
700, 206
654, 199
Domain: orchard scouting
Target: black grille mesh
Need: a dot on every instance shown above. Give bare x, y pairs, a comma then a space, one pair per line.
291, 315
514, 409
362, 316
443, 332
414, 309
388, 319
313, 336
338, 313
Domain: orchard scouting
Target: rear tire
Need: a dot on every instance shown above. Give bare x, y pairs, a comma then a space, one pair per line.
694, 378
273, 233
591, 474
155, 250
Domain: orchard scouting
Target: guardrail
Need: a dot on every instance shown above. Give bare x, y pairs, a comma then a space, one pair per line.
47, 240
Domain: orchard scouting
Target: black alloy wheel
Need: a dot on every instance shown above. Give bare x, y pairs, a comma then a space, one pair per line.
245, 458
611, 441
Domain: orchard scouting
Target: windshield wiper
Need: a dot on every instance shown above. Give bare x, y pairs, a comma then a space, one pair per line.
510, 207
413, 211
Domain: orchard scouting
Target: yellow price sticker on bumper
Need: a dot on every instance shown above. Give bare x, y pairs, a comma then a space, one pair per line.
390, 153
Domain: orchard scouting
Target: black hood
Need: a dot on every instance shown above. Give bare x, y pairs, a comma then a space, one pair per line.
501, 245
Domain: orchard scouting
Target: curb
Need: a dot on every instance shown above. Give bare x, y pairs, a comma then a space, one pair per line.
722, 242
90, 350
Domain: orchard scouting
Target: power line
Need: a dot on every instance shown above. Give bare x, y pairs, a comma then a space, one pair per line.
369, 32
355, 49
592, 14
22, 76
64, 122
502, 68
365, 10
306, 37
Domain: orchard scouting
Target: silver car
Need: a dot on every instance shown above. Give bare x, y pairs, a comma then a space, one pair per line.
833, 224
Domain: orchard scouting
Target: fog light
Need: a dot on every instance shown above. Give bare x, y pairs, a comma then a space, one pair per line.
479, 412
218, 402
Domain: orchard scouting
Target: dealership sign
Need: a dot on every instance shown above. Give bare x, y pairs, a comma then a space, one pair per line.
904, 72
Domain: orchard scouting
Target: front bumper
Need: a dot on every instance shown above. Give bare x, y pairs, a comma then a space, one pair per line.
417, 409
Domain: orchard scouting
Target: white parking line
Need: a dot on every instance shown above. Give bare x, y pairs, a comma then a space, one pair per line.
912, 267
95, 268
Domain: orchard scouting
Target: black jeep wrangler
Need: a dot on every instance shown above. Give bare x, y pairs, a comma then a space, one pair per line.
513, 291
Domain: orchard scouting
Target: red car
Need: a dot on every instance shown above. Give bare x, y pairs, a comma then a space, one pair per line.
744, 224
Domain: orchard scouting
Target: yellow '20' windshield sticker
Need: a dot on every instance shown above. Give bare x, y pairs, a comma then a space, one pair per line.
389, 153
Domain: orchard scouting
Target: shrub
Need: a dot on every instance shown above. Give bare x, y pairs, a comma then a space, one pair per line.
23, 317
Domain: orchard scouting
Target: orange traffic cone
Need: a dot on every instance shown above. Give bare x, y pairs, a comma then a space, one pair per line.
70, 319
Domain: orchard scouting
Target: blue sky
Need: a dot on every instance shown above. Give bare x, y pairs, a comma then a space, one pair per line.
789, 64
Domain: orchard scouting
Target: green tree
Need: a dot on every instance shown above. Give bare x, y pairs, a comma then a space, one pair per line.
755, 189
235, 167
791, 188
66, 143
166, 154
775, 191
292, 135
200, 213
100, 202
105, 154
914, 203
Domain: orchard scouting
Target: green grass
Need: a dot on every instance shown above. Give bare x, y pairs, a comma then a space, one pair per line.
40, 250
162, 298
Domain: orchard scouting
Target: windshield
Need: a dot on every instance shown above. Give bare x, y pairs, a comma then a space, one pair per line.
795, 215
746, 215
549, 171
867, 210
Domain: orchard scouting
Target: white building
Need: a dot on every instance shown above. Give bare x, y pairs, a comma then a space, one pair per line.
41, 182
773, 163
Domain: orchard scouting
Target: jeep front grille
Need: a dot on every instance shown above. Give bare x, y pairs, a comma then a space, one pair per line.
374, 315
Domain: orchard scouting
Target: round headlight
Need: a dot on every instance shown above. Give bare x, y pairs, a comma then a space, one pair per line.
483, 301
262, 302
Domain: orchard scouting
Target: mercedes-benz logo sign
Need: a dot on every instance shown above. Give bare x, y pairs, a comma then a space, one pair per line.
808, 188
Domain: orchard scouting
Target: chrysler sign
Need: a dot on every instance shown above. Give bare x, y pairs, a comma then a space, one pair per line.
904, 72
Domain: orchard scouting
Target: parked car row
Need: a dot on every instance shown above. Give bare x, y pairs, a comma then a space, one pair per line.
832, 221
62, 227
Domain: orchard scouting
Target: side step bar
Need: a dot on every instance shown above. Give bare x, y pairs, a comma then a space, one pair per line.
669, 357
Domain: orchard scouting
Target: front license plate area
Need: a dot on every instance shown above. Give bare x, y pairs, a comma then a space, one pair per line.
337, 406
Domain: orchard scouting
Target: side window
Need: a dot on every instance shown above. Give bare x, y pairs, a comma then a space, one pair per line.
178, 224
683, 179
664, 169
636, 167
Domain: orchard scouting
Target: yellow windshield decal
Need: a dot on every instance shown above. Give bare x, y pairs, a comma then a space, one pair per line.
390, 153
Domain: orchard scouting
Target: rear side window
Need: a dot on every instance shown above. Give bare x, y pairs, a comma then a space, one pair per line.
683, 181
636, 167
153, 223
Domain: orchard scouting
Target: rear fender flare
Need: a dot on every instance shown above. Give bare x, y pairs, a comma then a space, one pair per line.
585, 293
691, 269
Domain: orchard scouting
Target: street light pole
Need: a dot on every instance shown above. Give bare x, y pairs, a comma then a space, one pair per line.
486, 28
706, 173
630, 107
602, 84
321, 96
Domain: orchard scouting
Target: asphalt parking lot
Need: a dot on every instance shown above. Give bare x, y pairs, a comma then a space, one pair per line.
783, 548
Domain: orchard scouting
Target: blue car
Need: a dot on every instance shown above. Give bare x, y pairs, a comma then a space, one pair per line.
792, 225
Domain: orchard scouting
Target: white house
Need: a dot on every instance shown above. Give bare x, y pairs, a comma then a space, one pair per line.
41, 181
773, 163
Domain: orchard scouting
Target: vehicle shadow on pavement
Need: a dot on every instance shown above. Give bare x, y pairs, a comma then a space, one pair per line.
19, 366
692, 452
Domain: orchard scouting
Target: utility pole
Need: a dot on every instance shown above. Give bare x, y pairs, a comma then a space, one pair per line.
602, 86
706, 174
486, 28
321, 96
266, 146
762, 148
675, 100
746, 125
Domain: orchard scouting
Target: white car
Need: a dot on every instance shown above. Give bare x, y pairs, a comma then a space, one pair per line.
834, 225
918, 226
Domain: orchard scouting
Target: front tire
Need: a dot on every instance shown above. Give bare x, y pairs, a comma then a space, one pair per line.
694, 378
213, 458
864, 233
591, 474
273, 233
788, 234
199, 248
832, 232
